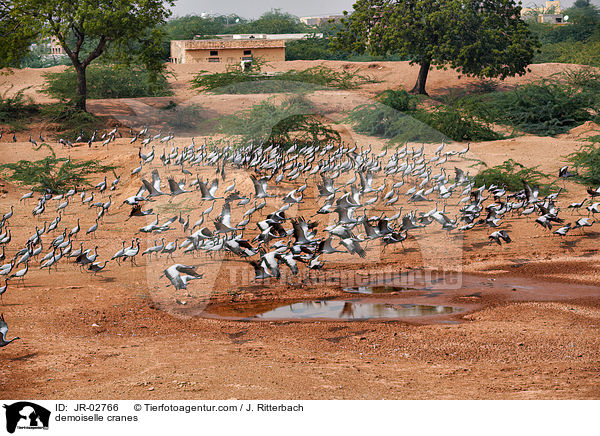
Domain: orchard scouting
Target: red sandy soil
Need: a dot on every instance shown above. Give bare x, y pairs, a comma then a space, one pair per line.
123, 334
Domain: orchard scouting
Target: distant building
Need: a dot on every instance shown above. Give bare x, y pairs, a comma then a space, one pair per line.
552, 8
55, 47
283, 36
551, 18
321, 19
230, 51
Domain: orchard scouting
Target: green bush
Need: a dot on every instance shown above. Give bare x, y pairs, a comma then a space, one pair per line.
418, 125
105, 81
547, 107
54, 174
511, 175
291, 121
400, 100
570, 52
586, 161
236, 81
584, 79
311, 48
16, 106
385, 122
69, 120
183, 117
457, 124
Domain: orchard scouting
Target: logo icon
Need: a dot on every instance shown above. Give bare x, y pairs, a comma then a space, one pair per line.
26, 415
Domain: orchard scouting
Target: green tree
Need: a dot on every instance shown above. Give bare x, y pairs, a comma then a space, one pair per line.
15, 35
191, 25
585, 22
310, 48
274, 21
87, 29
484, 38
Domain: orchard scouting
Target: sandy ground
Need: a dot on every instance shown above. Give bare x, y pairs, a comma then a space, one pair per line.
122, 334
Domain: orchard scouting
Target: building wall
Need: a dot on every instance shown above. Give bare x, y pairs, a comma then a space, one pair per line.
233, 55
177, 52
317, 21
551, 18
55, 47
553, 5
199, 51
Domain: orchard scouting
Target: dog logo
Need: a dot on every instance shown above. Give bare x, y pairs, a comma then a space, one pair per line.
26, 415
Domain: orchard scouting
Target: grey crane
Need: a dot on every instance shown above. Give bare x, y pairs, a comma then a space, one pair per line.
179, 275
3, 331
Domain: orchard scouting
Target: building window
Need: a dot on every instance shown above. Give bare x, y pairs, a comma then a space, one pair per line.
213, 59
214, 53
247, 52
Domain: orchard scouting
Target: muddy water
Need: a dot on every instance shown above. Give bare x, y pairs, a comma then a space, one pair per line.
470, 285
415, 296
341, 309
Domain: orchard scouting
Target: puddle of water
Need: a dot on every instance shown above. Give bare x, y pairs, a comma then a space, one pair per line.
333, 309
381, 289
431, 297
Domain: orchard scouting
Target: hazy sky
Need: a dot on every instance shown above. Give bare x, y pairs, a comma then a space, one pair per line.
255, 8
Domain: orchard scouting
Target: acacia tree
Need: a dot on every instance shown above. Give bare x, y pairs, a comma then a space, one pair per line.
484, 38
87, 29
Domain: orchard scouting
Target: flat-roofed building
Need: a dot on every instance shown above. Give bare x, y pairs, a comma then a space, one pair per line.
552, 7
284, 36
229, 51
320, 19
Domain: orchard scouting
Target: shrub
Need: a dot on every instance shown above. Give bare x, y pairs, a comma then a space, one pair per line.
511, 175
47, 175
570, 52
419, 125
385, 122
548, 107
584, 79
311, 48
70, 121
457, 124
586, 161
105, 81
183, 117
291, 121
15, 106
400, 100
236, 81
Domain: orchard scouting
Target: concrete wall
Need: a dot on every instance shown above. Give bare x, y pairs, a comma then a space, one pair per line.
234, 55
185, 52
551, 18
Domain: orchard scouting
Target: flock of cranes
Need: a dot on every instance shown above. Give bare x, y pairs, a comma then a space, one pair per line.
279, 216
